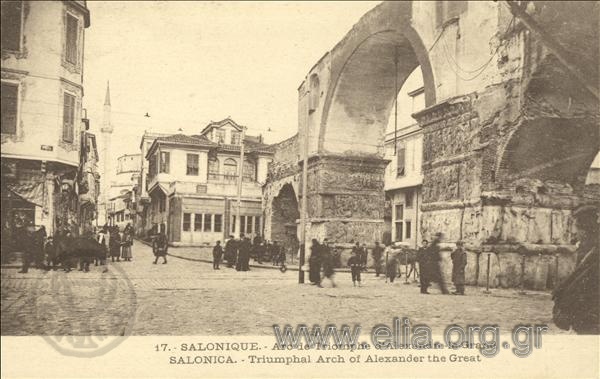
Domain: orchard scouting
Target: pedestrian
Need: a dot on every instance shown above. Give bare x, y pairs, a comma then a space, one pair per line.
314, 262
377, 254
257, 240
103, 238
355, 265
364, 256
217, 254
423, 259
260, 252
327, 263
114, 244
160, 247
434, 264
459, 262
243, 257
126, 243
50, 252
39, 251
282, 256
25, 240
231, 251
392, 266
276, 252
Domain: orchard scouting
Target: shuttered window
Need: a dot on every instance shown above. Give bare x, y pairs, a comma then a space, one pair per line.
401, 153
192, 165
10, 94
68, 117
164, 162
71, 40
11, 25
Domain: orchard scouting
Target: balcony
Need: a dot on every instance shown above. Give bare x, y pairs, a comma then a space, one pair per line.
217, 185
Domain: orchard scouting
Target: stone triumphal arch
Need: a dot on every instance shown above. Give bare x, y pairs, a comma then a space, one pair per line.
509, 129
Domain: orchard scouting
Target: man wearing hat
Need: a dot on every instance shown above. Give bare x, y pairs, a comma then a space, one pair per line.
459, 262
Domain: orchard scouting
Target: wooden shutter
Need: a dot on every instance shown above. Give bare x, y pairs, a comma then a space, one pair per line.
68, 117
10, 94
72, 26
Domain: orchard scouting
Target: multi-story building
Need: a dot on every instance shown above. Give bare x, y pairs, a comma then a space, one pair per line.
121, 193
193, 184
42, 127
140, 192
403, 175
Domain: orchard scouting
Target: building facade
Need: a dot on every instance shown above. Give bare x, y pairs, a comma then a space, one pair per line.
192, 184
121, 193
404, 175
43, 123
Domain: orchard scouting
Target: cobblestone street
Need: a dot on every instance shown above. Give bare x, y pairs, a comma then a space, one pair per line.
187, 297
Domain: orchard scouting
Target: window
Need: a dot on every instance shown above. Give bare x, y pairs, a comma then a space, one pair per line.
448, 10
256, 224
398, 230
68, 117
11, 25
198, 222
230, 169
399, 211
235, 138
408, 198
219, 136
248, 224
207, 222
399, 221
71, 41
192, 164
407, 229
400, 169
186, 222
249, 171
10, 98
152, 166
243, 224
164, 162
162, 202
213, 168
232, 224
218, 226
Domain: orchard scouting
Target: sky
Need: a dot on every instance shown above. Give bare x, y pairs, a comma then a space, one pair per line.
187, 63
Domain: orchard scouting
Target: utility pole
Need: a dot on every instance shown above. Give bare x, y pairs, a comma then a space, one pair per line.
239, 190
304, 196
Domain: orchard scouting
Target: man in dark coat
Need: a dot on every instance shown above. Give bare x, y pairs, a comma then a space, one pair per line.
377, 254
459, 262
327, 262
160, 247
434, 264
314, 262
231, 251
577, 297
217, 254
243, 258
423, 259
115, 244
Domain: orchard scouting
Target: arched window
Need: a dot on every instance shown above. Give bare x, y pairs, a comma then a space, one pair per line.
230, 169
213, 168
249, 171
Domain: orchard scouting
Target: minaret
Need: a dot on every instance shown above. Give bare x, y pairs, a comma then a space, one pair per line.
106, 131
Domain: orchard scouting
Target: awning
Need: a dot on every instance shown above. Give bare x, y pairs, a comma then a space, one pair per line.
31, 192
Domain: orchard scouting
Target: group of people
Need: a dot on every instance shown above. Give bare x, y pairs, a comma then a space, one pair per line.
238, 251
69, 249
429, 262
322, 260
